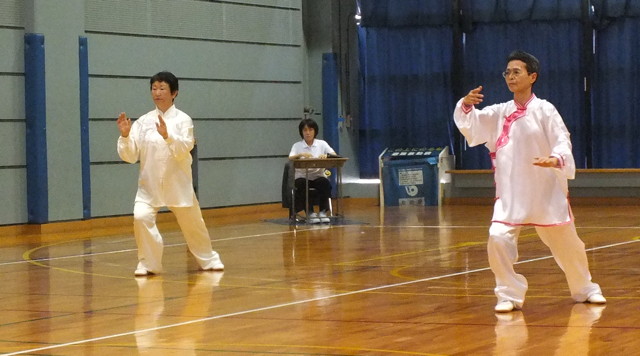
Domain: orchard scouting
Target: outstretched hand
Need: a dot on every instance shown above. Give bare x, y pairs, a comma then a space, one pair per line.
474, 97
546, 161
124, 125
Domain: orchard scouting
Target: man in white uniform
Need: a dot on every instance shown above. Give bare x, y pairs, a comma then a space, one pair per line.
162, 140
531, 155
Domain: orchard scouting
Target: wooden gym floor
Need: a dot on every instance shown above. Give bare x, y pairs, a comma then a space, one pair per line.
402, 281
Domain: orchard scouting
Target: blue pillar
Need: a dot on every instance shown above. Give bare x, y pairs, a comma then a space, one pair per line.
330, 105
36, 129
330, 100
83, 54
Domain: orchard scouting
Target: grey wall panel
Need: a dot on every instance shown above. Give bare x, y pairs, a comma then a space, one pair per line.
12, 98
12, 143
264, 25
113, 189
12, 13
240, 182
13, 190
103, 136
109, 96
245, 138
241, 100
241, 71
195, 19
12, 44
61, 23
135, 56
125, 16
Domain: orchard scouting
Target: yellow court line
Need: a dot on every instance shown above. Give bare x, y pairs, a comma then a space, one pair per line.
456, 246
323, 347
277, 306
460, 245
204, 347
27, 257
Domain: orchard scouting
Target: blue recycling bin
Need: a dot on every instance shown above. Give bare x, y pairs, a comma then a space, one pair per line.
410, 176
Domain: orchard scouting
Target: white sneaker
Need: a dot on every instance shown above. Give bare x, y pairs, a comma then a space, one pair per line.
323, 217
314, 219
505, 306
141, 272
596, 299
215, 265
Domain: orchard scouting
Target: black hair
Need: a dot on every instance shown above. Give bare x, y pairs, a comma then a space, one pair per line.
532, 63
309, 123
166, 77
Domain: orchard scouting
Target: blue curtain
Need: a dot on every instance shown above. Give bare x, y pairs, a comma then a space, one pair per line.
551, 31
616, 88
408, 47
405, 13
405, 63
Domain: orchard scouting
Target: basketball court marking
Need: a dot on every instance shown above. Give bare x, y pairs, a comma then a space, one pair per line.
283, 305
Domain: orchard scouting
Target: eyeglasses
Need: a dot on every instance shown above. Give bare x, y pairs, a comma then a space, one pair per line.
507, 73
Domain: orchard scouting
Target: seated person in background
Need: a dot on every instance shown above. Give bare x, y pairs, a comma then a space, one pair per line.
311, 147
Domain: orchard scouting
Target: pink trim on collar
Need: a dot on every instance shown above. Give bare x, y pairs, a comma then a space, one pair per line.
521, 110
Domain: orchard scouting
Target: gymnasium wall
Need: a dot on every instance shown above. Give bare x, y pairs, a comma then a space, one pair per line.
240, 66
243, 69
13, 188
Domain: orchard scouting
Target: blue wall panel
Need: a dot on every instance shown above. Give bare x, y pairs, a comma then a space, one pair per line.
83, 53
36, 124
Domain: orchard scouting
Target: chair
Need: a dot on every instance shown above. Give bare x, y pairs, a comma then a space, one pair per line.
288, 186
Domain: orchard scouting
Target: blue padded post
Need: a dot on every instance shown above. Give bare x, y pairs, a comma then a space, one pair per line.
36, 128
330, 100
330, 105
83, 53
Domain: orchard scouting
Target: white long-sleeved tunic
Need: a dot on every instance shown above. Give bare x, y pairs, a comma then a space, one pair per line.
165, 165
516, 134
318, 147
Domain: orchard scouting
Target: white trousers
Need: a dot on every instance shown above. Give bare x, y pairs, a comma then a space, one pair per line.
149, 240
565, 245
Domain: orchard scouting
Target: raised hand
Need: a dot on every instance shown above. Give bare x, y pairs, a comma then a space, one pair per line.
474, 97
124, 125
161, 126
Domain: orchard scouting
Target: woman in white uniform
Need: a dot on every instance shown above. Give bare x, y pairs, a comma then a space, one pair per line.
312, 147
162, 141
531, 155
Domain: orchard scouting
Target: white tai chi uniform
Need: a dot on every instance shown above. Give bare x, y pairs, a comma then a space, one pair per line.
165, 180
527, 194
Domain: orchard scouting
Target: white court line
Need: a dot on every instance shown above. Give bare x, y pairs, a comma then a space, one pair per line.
216, 240
290, 304
132, 249
284, 232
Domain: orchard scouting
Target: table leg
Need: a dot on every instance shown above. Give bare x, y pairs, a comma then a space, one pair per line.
339, 183
306, 191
